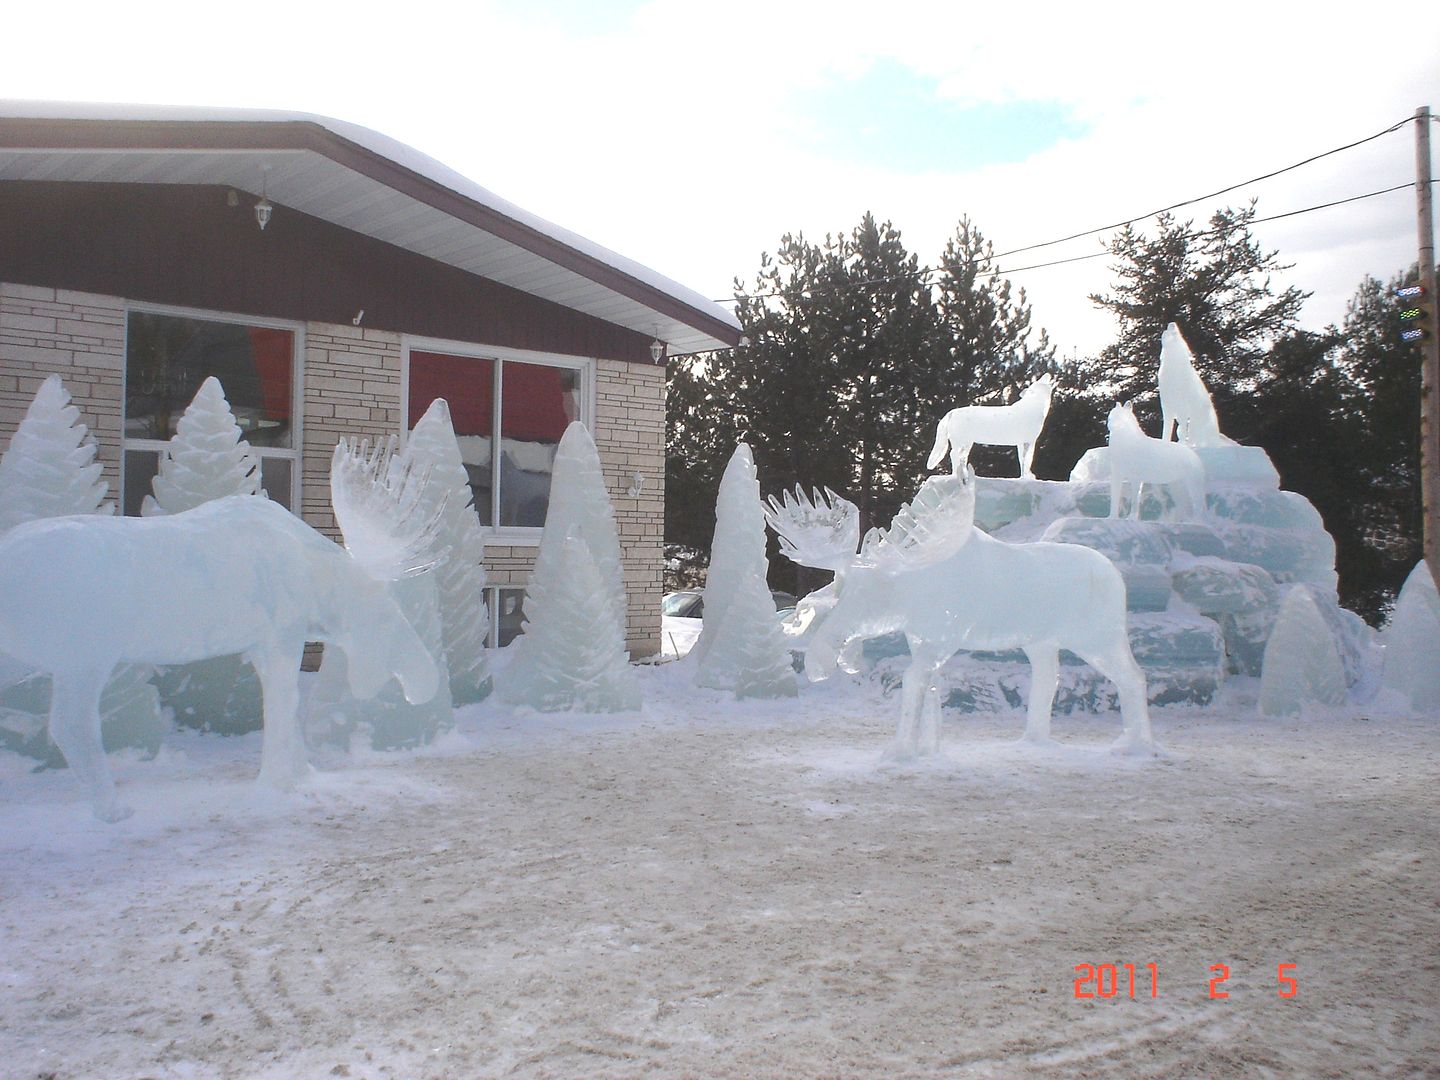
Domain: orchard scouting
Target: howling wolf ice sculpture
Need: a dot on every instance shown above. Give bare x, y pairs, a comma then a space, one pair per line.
1016, 425
948, 586
237, 575
1136, 459
1185, 404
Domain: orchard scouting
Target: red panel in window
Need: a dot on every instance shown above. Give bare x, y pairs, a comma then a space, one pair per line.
465, 382
538, 402
273, 352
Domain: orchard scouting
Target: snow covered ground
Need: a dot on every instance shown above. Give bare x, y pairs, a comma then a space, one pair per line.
737, 890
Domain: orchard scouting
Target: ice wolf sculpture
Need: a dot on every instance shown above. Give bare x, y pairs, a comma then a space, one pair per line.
1137, 460
948, 586
1185, 404
237, 575
1016, 425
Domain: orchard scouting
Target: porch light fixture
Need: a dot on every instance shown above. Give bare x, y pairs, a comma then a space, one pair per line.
657, 349
263, 208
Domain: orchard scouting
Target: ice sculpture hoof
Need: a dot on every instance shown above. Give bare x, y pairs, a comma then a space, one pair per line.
1130, 746
113, 813
899, 754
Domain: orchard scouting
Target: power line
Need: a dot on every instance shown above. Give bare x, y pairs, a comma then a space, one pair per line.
924, 272
1202, 233
1213, 194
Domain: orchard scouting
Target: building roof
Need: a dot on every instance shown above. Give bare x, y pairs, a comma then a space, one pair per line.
363, 181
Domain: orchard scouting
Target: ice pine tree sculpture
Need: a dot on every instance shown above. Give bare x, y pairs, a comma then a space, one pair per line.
1187, 413
948, 586
237, 575
1137, 460
49, 470
206, 459
741, 646
1302, 665
1412, 642
1018, 425
572, 653
460, 556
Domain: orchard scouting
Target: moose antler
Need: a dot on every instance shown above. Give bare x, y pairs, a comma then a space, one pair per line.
385, 514
820, 529
928, 529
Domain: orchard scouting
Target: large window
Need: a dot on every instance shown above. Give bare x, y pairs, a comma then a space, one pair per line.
168, 356
528, 402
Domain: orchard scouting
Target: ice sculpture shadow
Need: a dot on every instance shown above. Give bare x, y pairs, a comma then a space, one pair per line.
949, 586
237, 575
1018, 425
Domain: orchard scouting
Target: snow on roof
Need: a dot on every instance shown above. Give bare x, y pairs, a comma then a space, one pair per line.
412, 160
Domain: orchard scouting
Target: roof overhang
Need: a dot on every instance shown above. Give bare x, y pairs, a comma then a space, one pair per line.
359, 180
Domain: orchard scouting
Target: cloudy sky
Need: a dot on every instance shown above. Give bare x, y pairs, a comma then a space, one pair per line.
691, 135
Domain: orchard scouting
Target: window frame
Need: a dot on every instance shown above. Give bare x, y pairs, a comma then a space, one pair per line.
584, 366
295, 453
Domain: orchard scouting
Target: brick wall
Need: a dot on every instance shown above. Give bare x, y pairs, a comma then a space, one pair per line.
351, 379
80, 336
630, 435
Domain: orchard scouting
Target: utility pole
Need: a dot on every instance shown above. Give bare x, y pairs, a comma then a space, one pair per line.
1429, 350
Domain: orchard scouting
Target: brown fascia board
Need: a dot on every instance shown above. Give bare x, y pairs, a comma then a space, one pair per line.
83, 134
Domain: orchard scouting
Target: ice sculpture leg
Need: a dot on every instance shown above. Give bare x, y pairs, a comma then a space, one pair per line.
1026, 453
1044, 676
1118, 665
75, 727
929, 741
282, 754
919, 729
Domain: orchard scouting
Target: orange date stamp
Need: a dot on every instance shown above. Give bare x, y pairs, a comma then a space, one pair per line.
1129, 981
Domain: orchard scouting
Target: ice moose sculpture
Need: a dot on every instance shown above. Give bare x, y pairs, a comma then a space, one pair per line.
948, 586
50, 470
1184, 402
1136, 459
1018, 425
237, 575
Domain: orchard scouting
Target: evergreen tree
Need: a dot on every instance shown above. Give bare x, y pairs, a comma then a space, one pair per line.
460, 571
985, 355
50, 469
207, 458
853, 357
1383, 377
741, 646
1216, 285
